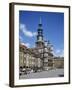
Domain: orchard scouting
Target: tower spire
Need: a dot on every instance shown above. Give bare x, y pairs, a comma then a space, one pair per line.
40, 20
40, 41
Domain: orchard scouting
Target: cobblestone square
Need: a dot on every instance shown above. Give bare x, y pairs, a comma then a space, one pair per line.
44, 74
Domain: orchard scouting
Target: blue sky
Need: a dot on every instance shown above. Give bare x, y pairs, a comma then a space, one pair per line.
53, 28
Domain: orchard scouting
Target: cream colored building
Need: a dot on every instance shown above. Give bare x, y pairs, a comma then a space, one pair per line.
28, 58
58, 62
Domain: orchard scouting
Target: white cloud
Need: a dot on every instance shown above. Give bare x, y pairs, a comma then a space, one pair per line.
20, 38
26, 44
62, 53
27, 32
59, 52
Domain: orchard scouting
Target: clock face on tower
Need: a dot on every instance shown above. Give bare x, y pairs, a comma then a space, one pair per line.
40, 38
